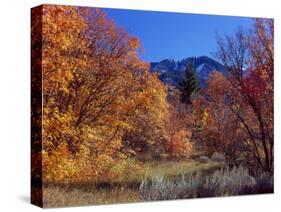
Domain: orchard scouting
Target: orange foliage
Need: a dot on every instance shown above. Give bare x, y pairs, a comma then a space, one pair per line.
95, 89
177, 135
240, 106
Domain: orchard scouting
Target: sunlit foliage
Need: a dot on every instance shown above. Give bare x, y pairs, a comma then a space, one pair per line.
240, 105
96, 90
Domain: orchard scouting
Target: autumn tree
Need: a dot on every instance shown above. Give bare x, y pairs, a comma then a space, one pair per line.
96, 90
148, 123
248, 58
177, 132
218, 128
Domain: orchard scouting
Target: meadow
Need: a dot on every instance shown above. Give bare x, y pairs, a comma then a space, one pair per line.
121, 191
162, 181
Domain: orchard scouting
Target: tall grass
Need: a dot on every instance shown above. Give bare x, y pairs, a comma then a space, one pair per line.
61, 197
162, 181
124, 188
224, 182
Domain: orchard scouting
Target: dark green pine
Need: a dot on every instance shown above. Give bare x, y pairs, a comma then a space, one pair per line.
189, 84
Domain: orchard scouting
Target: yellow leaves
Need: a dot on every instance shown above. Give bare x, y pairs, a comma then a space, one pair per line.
66, 42
59, 166
124, 125
204, 117
96, 90
126, 169
121, 155
104, 161
61, 40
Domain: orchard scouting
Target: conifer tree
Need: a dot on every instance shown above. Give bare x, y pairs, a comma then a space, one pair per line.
189, 84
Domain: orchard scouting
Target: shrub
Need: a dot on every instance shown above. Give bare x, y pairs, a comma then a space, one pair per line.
218, 157
158, 189
127, 170
225, 182
265, 183
161, 188
203, 159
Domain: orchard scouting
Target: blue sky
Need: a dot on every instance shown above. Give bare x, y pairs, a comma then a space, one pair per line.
175, 35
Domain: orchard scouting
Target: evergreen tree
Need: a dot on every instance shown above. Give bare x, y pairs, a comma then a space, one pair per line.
189, 84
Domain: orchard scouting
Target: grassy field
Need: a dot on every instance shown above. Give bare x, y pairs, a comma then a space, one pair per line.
171, 169
119, 191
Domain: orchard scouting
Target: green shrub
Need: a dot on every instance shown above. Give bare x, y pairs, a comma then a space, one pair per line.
127, 170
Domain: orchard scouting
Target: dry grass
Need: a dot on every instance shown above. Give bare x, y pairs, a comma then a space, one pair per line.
60, 197
174, 168
225, 182
119, 191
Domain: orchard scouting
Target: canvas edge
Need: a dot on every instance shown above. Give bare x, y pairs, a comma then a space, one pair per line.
36, 106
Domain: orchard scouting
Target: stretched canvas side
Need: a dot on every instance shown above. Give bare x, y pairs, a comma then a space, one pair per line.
36, 106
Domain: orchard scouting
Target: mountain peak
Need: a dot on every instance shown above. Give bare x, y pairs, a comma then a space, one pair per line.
172, 72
